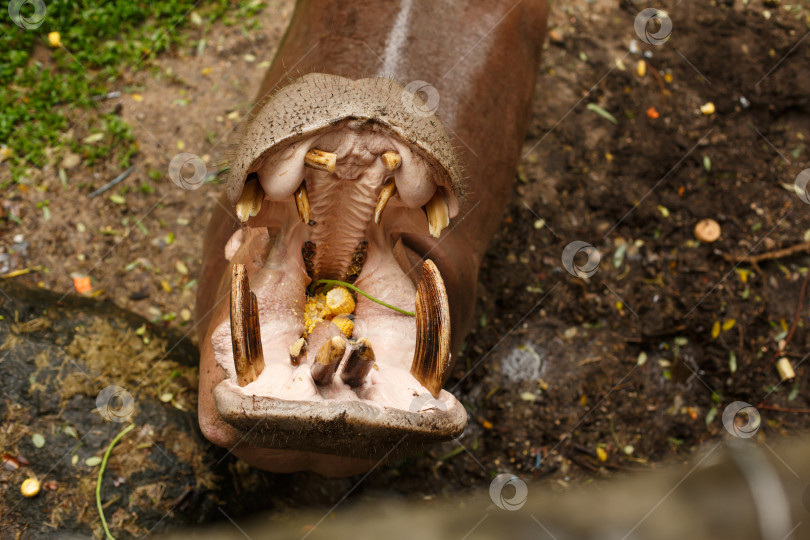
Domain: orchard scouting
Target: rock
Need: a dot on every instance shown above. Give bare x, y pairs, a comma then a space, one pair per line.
555, 36
707, 231
70, 160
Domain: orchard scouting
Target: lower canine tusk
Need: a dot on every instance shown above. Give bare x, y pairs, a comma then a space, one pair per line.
431, 358
320, 160
246, 337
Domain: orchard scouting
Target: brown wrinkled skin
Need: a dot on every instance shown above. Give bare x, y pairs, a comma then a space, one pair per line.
482, 58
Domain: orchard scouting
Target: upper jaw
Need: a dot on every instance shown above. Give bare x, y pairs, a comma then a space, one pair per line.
274, 401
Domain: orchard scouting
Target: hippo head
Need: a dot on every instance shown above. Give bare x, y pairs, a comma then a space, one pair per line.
334, 180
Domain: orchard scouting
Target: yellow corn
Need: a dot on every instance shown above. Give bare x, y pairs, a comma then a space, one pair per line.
30, 487
315, 311
339, 301
707, 108
345, 324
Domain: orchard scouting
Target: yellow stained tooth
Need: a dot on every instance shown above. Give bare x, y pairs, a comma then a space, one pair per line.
297, 350
320, 160
250, 201
388, 191
345, 324
340, 301
438, 214
302, 203
392, 160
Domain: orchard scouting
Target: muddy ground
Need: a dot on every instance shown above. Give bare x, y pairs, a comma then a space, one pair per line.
565, 379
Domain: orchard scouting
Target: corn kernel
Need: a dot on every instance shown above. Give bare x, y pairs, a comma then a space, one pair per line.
339, 301
345, 324
29, 487
601, 453
54, 39
315, 311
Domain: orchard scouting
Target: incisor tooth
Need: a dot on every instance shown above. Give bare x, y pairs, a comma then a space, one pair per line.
302, 204
320, 160
250, 201
431, 358
388, 191
298, 350
327, 360
438, 214
392, 160
359, 363
246, 337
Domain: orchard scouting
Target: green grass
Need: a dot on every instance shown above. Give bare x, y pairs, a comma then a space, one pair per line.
45, 90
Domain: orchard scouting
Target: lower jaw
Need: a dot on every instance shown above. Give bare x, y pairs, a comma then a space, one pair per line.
283, 420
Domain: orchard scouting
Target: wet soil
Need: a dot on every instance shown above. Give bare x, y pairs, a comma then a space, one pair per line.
566, 379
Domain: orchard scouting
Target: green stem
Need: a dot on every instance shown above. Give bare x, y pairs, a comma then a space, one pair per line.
355, 289
101, 475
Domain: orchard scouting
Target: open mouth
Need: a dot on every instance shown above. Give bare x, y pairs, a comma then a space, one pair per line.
338, 340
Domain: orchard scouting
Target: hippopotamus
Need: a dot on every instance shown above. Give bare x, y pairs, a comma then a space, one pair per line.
339, 271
